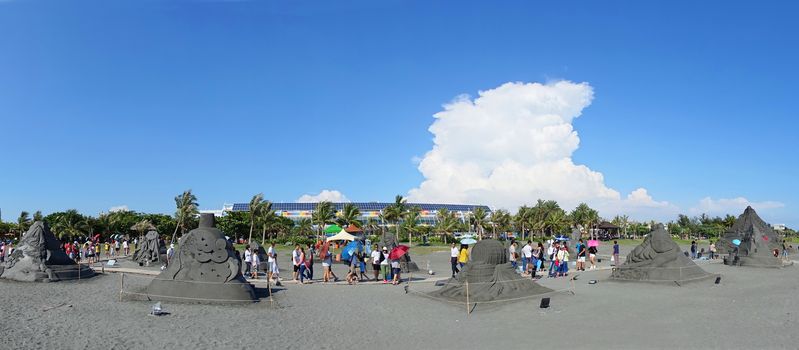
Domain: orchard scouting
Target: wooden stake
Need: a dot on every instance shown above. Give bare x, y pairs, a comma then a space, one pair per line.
121, 284
468, 311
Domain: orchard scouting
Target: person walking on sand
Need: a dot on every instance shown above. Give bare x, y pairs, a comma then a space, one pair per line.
254, 261
309, 261
564, 261
271, 259
295, 261
303, 267
385, 267
170, 253
395, 271
616, 253
362, 259
126, 247
693, 250
580, 255
453, 259
376, 261
463, 256
352, 275
527, 257
712, 250
552, 253
327, 265
512, 254
247, 261
592, 257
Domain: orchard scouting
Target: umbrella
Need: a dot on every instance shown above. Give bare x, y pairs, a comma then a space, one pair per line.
736, 241
468, 241
333, 229
593, 243
324, 249
350, 249
352, 229
398, 252
562, 238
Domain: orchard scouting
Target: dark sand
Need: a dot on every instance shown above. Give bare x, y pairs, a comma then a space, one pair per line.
751, 308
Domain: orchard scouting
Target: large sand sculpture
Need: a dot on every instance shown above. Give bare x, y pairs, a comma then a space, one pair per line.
204, 270
490, 277
758, 242
149, 250
38, 258
659, 259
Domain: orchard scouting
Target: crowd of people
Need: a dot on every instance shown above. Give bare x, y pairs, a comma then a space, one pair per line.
302, 261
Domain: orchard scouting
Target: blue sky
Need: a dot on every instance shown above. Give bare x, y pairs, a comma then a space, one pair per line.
108, 103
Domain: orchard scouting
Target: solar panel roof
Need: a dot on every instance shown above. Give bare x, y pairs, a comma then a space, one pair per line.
364, 206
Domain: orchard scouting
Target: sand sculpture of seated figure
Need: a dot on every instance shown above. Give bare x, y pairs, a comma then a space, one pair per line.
657, 250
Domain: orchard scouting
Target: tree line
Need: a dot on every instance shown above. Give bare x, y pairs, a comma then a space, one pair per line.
544, 219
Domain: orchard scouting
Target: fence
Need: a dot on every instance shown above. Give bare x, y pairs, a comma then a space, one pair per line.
469, 301
128, 283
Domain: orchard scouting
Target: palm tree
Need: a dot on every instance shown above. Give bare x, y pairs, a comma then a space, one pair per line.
70, 224
556, 221
143, 226
186, 204
349, 216
411, 222
478, 219
394, 212
23, 222
446, 223
304, 227
255, 211
494, 219
37, 216
323, 215
267, 218
522, 218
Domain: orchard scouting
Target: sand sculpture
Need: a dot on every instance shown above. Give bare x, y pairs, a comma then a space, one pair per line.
149, 250
38, 258
389, 240
574, 239
490, 277
204, 270
659, 259
758, 242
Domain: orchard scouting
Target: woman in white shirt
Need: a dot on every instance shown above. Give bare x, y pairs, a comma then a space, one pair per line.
453, 259
376, 261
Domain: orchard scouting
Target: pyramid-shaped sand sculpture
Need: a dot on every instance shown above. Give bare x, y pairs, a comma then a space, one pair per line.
659, 259
758, 241
490, 277
38, 258
204, 270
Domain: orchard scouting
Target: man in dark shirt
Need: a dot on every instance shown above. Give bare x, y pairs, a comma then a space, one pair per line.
616, 253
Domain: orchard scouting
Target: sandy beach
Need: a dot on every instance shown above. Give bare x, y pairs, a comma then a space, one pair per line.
750, 308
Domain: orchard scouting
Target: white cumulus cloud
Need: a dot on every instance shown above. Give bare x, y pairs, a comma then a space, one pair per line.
512, 145
325, 195
733, 206
118, 208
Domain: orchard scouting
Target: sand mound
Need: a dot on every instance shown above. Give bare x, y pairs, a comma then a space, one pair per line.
659, 259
